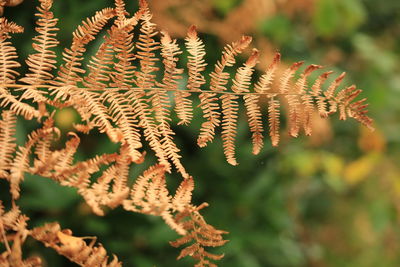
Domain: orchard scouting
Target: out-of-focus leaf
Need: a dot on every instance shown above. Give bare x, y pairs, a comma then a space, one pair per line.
338, 17
224, 6
360, 169
278, 29
383, 61
326, 17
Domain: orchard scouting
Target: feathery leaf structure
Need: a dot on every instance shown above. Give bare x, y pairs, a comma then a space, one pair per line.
7, 141
72, 247
121, 96
199, 235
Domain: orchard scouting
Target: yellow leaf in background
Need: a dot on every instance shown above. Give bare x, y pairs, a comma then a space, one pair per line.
305, 164
359, 169
332, 164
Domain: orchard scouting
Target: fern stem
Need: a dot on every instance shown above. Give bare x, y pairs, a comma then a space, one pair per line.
153, 88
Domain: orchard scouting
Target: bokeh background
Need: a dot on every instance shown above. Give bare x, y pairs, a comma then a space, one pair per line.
332, 199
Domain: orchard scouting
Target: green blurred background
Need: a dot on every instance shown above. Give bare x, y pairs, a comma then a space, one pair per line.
329, 200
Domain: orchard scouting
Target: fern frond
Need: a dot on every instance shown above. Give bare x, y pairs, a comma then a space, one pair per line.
21, 162
7, 141
241, 84
149, 195
72, 247
78, 175
123, 70
196, 63
264, 84
306, 98
170, 50
43, 61
69, 74
159, 98
101, 193
219, 79
18, 107
317, 93
274, 120
294, 111
183, 195
122, 114
201, 235
145, 79
67, 154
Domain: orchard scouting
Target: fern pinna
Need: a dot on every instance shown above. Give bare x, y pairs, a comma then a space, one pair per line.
119, 94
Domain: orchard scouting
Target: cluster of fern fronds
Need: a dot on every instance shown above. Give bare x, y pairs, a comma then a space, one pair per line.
118, 94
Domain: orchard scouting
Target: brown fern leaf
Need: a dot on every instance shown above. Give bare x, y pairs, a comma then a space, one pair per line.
219, 79
69, 74
183, 195
8, 52
149, 195
120, 37
229, 121
66, 155
145, 81
18, 107
200, 235
110, 189
121, 33
73, 248
8, 73
196, 63
124, 117
46, 158
356, 110
21, 162
43, 61
120, 10
251, 103
317, 93
263, 86
78, 175
7, 141
240, 85
306, 99
160, 101
274, 121
294, 111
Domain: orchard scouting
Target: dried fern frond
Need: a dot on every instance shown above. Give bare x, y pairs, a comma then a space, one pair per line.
43, 61
68, 76
149, 195
7, 141
21, 162
145, 81
159, 98
219, 79
199, 235
72, 247
128, 93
